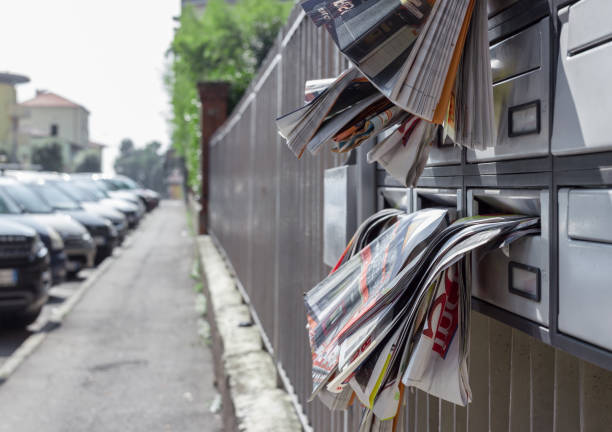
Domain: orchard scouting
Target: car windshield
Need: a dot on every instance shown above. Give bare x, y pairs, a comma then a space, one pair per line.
26, 199
102, 187
110, 185
54, 197
129, 183
72, 191
90, 189
7, 205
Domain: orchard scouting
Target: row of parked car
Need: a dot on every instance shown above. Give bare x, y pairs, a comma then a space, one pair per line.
54, 225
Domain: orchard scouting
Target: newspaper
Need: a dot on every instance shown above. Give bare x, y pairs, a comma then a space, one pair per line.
396, 312
421, 55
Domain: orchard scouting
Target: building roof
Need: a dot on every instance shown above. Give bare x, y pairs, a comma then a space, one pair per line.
13, 79
96, 145
49, 99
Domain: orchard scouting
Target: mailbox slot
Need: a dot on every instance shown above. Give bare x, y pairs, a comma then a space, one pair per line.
585, 255
520, 67
450, 199
515, 279
393, 197
583, 100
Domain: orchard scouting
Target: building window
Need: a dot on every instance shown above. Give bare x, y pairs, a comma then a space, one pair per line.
54, 130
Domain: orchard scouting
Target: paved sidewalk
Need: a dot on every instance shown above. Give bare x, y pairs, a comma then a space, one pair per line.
128, 357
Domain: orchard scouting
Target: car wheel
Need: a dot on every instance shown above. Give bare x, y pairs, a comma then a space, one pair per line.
22, 319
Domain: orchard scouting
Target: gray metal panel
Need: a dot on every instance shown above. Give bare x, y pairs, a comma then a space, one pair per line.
395, 197
589, 215
339, 212
444, 155
490, 279
496, 6
589, 24
585, 298
521, 85
451, 199
516, 55
583, 100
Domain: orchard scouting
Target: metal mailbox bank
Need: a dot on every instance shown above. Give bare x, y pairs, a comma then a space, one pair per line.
541, 350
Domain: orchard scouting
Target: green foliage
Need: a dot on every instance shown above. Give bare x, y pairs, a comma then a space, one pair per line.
91, 163
126, 146
49, 157
227, 43
144, 165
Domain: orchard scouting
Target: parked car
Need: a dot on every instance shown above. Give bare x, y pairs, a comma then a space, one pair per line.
127, 195
78, 244
121, 183
101, 229
24, 274
10, 211
132, 196
92, 200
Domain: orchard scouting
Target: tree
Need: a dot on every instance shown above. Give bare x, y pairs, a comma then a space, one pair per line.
227, 43
49, 157
126, 146
144, 165
91, 163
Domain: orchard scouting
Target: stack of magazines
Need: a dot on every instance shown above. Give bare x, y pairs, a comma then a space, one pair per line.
417, 65
394, 312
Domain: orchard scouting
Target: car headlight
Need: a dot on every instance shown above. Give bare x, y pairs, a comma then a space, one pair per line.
38, 248
111, 228
56, 239
86, 236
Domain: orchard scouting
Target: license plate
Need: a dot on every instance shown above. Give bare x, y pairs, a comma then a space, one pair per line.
8, 277
99, 240
72, 266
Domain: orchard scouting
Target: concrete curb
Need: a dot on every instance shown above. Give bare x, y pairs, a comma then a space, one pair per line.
245, 372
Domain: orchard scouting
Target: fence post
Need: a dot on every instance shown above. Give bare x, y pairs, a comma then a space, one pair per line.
213, 98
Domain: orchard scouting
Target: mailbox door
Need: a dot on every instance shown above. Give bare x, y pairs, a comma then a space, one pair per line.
339, 211
521, 95
516, 279
439, 198
444, 154
585, 259
394, 197
583, 99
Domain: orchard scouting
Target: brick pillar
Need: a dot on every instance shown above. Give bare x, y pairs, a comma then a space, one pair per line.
213, 96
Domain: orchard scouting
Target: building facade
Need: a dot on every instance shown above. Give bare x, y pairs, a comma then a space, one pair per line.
53, 119
11, 114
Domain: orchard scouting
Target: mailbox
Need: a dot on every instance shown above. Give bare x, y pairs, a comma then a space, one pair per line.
515, 279
450, 199
395, 197
339, 211
444, 153
583, 99
585, 256
521, 68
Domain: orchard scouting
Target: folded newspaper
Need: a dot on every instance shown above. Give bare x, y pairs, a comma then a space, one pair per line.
395, 310
420, 63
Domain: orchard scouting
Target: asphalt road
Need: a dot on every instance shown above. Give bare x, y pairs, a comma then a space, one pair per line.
128, 357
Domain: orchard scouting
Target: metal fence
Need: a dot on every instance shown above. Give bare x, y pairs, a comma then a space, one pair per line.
266, 214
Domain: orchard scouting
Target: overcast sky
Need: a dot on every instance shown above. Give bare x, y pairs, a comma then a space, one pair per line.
107, 55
